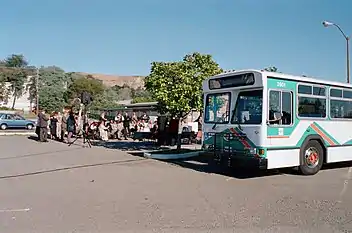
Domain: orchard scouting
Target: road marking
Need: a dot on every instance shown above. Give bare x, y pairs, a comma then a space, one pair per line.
14, 210
345, 183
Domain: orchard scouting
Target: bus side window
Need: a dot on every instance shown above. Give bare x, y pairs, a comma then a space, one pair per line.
286, 108
274, 107
280, 108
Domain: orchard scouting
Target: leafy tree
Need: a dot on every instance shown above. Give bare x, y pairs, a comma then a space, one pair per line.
52, 88
177, 86
16, 60
51, 99
93, 86
17, 87
125, 93
3, 89
141, 96
142, 99
107, 99
16, 75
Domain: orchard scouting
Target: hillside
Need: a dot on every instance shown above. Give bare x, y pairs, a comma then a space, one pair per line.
113, 80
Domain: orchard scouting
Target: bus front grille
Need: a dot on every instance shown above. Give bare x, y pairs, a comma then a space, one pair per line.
223, 145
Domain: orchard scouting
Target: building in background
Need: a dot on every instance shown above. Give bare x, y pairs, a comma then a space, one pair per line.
22, 103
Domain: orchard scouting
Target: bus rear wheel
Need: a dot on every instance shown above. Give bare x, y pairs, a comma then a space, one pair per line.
312, 158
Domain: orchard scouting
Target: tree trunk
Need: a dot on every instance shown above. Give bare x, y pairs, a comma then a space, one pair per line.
179, 134
14, 101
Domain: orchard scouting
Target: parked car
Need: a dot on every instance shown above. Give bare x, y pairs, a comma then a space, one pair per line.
15, 121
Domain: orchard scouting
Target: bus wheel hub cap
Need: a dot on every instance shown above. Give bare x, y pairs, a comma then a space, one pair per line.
312, 157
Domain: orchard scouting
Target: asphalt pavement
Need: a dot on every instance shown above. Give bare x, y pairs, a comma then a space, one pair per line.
50, 187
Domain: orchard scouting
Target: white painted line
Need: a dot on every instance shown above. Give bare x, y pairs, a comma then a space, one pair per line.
17, 133
345, 183
15, 210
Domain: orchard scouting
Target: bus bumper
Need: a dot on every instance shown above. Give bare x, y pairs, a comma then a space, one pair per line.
243, 161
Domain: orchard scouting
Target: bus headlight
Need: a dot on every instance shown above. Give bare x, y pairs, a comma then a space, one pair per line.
261, 152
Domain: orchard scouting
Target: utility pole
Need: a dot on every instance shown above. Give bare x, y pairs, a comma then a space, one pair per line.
37, 90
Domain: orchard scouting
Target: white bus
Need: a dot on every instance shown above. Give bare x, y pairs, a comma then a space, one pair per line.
274, 120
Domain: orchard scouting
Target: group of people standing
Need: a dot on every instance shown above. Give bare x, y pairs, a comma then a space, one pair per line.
57, 124
123, 125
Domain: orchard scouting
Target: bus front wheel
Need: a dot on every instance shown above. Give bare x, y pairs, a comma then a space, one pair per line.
312, 156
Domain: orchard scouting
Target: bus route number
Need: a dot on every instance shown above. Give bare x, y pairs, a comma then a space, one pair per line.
281, 84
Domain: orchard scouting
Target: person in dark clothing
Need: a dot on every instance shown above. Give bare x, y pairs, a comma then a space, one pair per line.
126, 125
64, 126
145, 118
53, 126
43, 126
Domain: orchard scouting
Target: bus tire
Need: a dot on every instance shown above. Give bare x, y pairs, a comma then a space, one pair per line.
312, 158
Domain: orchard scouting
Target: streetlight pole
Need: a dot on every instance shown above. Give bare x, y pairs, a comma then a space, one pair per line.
328, 24
36, 90
348, 58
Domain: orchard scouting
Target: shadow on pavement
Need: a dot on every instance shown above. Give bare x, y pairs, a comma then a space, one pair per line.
206, 165
130, 146
203, 164
34, 138
339, 165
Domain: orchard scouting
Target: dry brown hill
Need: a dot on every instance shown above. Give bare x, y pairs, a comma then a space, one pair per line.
113, 80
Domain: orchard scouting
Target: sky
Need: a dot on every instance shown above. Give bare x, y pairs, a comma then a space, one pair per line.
124, 37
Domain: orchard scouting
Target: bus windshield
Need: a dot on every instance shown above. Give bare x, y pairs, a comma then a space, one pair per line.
217, 108
248, 109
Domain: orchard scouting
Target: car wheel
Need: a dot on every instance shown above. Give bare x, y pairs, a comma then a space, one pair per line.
29, 126
3, 126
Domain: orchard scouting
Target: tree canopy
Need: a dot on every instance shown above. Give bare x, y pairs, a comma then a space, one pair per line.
56, 88
92, 86
177, 86
52, 88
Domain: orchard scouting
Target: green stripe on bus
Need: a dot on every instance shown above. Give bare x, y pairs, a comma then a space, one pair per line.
348, 142
307, 132
250, 142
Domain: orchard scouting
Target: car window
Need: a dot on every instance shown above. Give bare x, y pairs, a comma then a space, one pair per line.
9, 117
18, 117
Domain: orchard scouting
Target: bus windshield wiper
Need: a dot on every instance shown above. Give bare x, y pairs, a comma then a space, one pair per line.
239, 125
236, 121
220, 120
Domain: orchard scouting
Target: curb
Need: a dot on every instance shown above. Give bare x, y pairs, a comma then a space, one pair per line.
146, 151
171, 156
